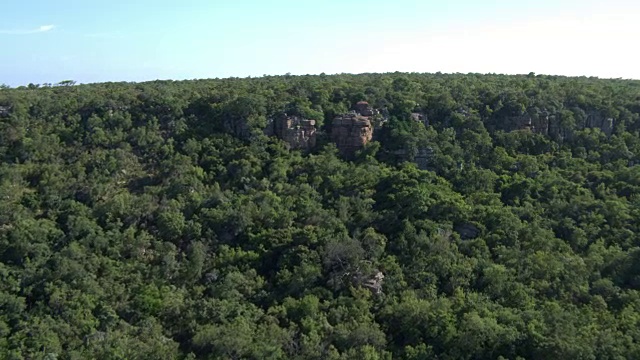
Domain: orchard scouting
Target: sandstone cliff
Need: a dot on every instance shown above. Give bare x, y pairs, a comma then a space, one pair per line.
297, 132
551, 124
363, 108
354, 130
351, 132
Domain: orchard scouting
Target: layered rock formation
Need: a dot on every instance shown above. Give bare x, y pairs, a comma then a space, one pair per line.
547, 123
543, 123
597, 120
354, 130
299, 133
363, 108
351, 132
423, 157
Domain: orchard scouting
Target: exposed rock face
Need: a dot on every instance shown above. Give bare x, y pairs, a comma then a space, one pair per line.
363, 108
419, 117
543, 122
384, 113
424, 157
299, 133
375, 283
549, 124
351, 132
597, 120
5, 111
522, 122
301, 136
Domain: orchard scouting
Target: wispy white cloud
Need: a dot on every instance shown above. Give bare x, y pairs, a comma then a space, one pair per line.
45, 28
40, 29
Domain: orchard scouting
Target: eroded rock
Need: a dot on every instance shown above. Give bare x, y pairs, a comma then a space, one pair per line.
351, 132
375, 283
597, 120
299, 133
423, 157
547, 123
354, 130
363, 108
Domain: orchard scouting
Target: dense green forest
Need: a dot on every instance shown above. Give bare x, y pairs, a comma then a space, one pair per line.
454, 217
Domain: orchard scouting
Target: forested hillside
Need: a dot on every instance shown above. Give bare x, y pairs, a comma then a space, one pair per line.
374, 216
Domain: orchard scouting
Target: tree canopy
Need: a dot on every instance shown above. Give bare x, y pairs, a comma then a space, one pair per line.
491, 217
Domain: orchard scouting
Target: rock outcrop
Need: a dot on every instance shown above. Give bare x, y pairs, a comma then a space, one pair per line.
547, 123
424, 158
596, 120
5, 111
363, 108
375, 283
354, 130
420, 117
299, 133
351, 132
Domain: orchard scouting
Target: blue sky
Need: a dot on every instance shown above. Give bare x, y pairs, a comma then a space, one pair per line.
45, 41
